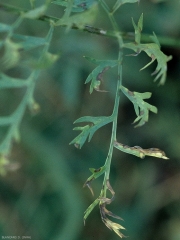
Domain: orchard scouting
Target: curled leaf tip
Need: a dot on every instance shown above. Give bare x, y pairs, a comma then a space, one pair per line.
77, 146
87, 183
90, 188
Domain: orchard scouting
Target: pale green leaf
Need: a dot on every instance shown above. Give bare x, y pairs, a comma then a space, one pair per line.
155, 39
97, 74
79, 19
89, 130
153, 51
140, 152
138, 29
82, 137
36, 13
141, 107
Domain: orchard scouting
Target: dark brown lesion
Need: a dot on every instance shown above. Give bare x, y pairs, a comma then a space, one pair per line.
100, 75
97, 170
83, 5
100, 78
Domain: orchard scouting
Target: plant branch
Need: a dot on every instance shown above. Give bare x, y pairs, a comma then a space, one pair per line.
145, 38
117, 97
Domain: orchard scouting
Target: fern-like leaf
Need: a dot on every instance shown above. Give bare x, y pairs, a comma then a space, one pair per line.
141, 107
152, 50
89, 130
96, 76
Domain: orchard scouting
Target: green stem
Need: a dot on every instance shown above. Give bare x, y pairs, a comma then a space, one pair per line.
110, 15
145, 38
117, 97
114, 125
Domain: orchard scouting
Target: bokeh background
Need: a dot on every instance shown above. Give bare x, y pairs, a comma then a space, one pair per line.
44, 197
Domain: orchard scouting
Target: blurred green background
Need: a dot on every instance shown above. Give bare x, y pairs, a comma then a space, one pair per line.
44, 198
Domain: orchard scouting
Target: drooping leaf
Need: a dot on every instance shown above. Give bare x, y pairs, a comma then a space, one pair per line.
153, 51
96, 76
141, 107
140, 152
89, 130
110, 224
119, 3
79, 19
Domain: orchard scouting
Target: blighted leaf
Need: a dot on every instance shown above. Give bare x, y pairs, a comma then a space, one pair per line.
140, 152
119, 3
153, 51
111, 225
108, 200
36, 13
89, 130
97, 74
141, 107
79, 19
